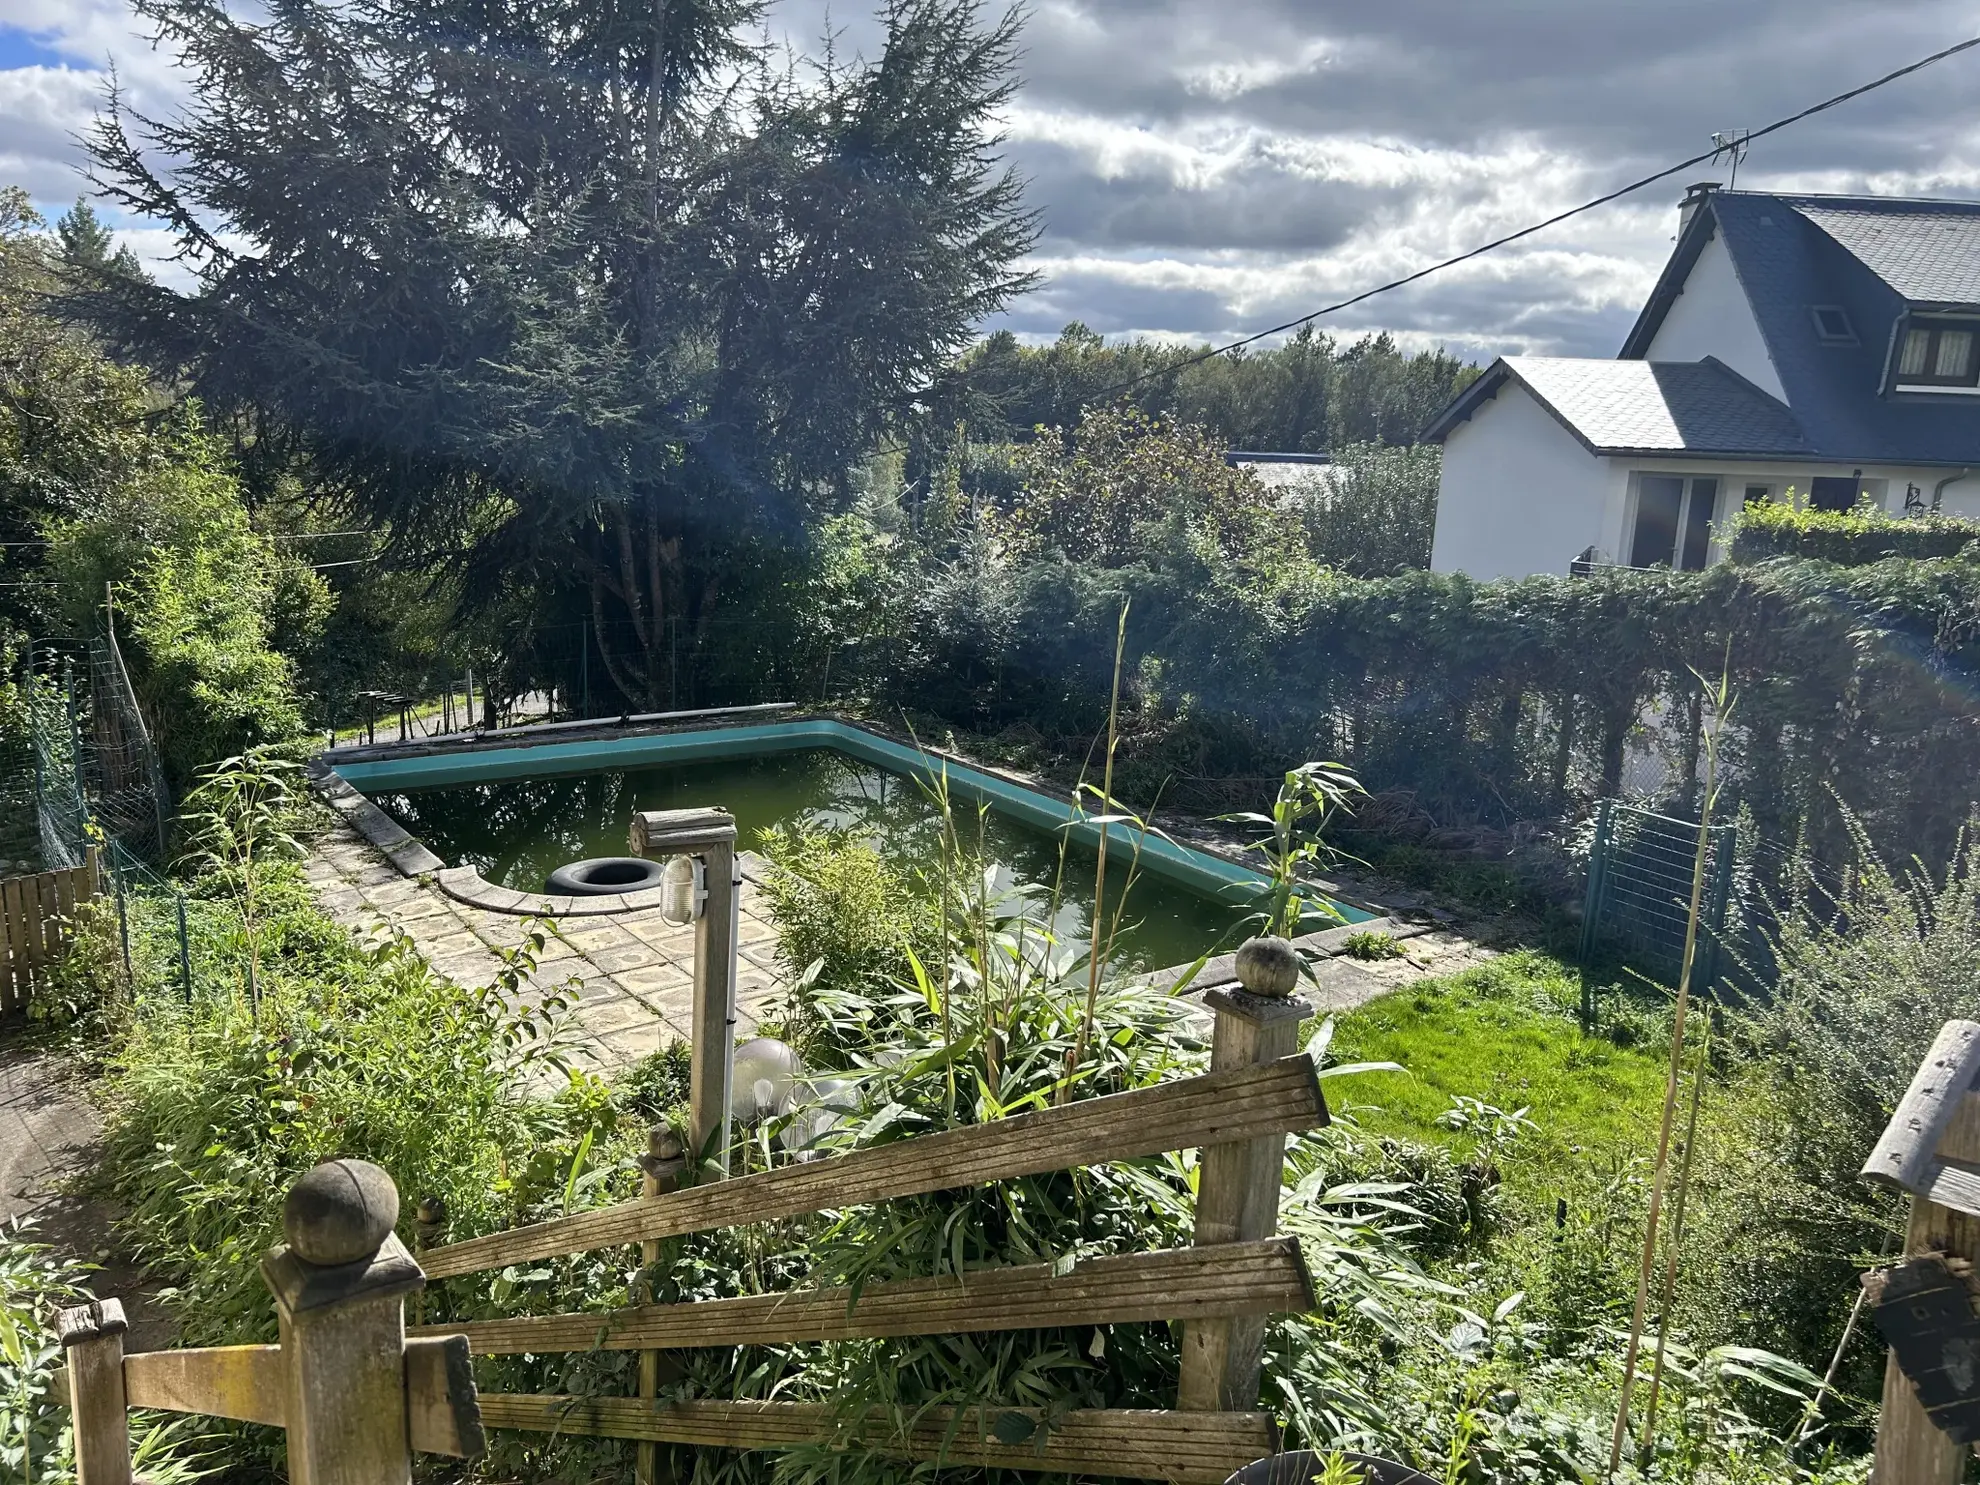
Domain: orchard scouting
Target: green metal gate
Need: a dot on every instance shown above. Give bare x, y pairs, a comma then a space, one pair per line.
1639, 893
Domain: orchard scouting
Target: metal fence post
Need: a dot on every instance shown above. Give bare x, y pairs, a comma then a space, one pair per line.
185, 947
1237, 1189
340, 1284
1591, 907
123, 917
584, 668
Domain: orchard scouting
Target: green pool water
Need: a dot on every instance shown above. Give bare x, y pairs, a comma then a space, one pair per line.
517, 831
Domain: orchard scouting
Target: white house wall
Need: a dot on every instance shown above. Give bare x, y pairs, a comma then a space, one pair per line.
1519, 493
1711, 317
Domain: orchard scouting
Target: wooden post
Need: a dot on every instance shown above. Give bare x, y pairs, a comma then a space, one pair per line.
93, 1337
660, 1173
1237, 1191
1933, 1134
710, 835
340, 1284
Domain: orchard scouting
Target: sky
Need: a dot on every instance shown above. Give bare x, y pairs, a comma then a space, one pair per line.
1206, 168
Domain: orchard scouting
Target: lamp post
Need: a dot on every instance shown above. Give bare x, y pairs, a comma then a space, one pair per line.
703, 885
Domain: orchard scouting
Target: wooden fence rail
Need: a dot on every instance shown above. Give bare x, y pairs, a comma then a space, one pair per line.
1239, 1105
1144, 1444
37, 914
347, 1366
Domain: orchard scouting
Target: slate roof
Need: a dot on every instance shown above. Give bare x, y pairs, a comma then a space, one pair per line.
1643, 407
1928, 252
1877, 258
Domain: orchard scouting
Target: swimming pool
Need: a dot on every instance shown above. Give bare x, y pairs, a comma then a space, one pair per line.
517, 812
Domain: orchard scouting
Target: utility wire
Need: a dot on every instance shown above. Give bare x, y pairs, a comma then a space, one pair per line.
1511, 237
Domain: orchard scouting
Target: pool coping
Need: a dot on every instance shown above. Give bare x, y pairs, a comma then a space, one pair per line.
584, 747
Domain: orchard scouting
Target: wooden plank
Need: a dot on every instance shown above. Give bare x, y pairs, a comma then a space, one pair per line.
443, 1415
246, 1383
6, 954
66, 889
1911, 1450
52, 935
1185, 1448
14, 928
1216, 1108
1907, 1153
1260, 1278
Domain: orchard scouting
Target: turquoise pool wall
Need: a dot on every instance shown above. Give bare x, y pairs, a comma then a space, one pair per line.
1201, 872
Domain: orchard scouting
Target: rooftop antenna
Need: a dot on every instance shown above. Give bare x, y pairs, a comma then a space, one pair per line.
1730, 145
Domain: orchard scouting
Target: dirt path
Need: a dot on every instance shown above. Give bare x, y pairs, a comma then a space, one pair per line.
50, 1134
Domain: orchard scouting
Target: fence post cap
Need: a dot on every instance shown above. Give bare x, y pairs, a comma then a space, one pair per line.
340, 1212
88, 1322
1267, 965
1260, 1010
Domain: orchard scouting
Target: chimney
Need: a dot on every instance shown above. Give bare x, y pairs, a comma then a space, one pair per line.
1694, 193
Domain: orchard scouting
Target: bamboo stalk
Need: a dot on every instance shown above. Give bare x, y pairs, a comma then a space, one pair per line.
1722, 706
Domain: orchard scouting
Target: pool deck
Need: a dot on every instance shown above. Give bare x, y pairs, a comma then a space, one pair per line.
633, 972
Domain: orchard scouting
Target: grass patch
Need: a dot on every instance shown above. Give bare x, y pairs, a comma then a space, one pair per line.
1505, 1033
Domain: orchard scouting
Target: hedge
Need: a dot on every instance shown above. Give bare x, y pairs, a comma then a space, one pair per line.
1498, 703
1852, 537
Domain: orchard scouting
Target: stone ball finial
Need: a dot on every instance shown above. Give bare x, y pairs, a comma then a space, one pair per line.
1268, 966
340, 1212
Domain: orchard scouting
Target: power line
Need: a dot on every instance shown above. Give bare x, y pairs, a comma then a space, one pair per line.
1717, 151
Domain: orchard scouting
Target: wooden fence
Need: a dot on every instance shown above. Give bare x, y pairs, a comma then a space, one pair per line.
37, 916
1222, 1289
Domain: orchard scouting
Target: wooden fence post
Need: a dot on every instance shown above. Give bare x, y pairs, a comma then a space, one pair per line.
340, 1284
93, 1337
1237, 1191
660, 1173
1935, 1130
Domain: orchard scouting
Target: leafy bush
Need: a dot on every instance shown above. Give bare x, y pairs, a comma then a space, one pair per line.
1866, 980
840, 905
1373, 512
1852, 538
1372, 945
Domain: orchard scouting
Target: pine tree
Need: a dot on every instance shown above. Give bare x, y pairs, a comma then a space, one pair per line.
568, 294
89, 246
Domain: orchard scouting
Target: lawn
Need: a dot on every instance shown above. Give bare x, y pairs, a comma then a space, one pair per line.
1505, 1033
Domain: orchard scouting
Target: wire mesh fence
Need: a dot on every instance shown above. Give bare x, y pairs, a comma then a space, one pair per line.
92, 759
1640, 880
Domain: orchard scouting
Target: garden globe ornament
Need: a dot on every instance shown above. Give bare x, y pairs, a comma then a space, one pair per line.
766, 1077
1269, 966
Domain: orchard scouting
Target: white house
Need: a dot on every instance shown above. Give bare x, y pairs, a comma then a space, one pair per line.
1829, 344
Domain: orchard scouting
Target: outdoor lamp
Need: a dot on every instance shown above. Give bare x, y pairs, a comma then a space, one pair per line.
683, 889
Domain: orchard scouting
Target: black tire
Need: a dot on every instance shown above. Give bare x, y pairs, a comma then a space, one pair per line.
605, 876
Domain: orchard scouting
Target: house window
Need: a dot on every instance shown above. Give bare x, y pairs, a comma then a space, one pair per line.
1673, 526
1758, 494
1832, 325
1833, 491
1938, 353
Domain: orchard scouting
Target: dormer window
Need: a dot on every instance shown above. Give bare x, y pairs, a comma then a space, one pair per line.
1832, 325
1938, 353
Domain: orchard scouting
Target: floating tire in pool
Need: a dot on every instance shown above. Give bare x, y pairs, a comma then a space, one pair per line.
606, 876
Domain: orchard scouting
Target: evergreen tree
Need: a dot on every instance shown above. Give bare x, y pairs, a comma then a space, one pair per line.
568, 295
88, 245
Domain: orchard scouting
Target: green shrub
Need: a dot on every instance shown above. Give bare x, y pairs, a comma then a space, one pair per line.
839, 904
1852, 538
1866, 980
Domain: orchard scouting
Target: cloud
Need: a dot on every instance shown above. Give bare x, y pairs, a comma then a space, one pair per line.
1204, 170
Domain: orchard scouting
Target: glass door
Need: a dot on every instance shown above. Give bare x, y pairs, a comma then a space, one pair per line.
1673, 526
